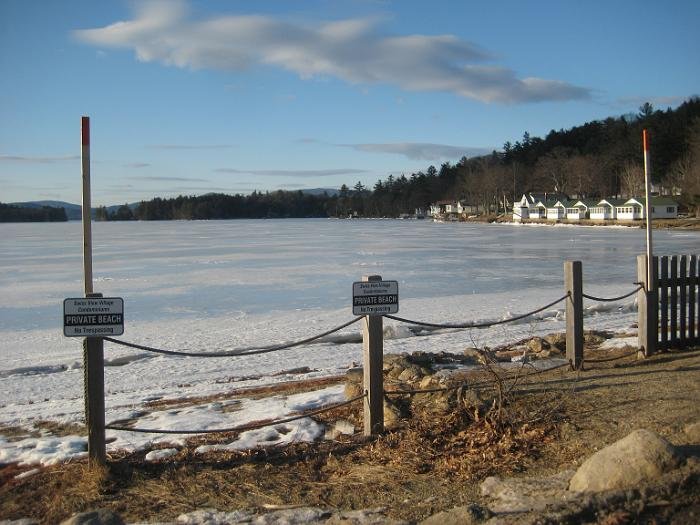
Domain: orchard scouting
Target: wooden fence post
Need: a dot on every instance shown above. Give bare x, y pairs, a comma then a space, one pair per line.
373, 365
573, 277
94, 371
648, 306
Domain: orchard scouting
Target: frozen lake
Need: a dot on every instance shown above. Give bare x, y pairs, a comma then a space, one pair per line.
216, 285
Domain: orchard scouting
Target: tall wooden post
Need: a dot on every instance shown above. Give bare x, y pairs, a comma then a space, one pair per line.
86, 203
373, 364
93, 368
648, 206
573, 281
648, 305
93, 347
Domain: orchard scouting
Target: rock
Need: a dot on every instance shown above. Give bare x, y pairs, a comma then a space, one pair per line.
506, 356
412, 374
537, 345
640, 457
527, 494
435, 402
296, 516
354, 383
594, 338
95, 517
392, 415
427, 382
423, 359
475, 401
556, 341
341, 426
467, 515
693, 432
474, 353
362, 517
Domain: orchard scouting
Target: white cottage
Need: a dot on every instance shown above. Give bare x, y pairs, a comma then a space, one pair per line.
521, 209
635, 209
556, 210
580, 209
534, 205
605, 209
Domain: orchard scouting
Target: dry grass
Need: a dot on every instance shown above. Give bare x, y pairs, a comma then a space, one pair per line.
352, 472
546, 422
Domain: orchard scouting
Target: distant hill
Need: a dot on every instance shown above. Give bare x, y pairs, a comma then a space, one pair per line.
332, 192
12, 213
73, 211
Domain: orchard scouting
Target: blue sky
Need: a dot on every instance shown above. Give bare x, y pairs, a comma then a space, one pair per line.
188, 97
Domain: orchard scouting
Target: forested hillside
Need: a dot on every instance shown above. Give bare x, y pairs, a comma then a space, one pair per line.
596, 159
11, 213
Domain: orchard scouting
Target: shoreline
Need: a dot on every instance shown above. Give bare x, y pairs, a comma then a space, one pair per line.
690, 223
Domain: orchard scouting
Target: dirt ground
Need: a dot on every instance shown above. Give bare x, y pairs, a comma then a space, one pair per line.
531, 424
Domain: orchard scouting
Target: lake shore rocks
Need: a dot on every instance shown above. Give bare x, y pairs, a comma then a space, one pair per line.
638, 458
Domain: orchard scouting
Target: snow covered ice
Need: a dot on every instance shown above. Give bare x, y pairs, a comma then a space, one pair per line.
218, 285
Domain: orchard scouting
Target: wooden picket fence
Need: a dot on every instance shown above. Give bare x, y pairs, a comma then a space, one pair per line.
678, 281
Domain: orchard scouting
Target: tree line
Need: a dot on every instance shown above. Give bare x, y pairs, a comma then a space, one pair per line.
257, 205
12, 213
602, 158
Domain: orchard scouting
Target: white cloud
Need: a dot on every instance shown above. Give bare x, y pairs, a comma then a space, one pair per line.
421, 150
294, 173
353, 50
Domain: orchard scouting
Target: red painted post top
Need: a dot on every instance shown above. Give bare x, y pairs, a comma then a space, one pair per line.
85, 130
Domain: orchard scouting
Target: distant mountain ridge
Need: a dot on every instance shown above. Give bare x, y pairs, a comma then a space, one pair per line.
74, 211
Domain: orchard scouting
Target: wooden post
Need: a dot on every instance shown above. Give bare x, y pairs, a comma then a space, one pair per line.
94, 372
692, 283
663, 303
682, 282
647, 304
86, 203
93, 347
647, 194
674, 302
373, 364
573, 280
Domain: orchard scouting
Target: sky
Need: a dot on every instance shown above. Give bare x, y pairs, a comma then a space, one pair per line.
191, 97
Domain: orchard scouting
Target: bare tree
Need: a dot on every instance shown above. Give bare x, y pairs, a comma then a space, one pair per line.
684, 174
553, 170
632, 179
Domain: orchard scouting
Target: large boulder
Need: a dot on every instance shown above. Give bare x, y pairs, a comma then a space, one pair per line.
640, 457
692, 432
527, 494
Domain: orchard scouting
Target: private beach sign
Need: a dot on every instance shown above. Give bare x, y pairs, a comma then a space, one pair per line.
93, 316
375, 297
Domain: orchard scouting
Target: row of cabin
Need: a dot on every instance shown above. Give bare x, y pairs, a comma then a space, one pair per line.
448, 208
533, 207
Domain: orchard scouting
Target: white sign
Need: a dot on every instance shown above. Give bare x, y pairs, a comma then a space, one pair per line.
375, 297
93, 316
